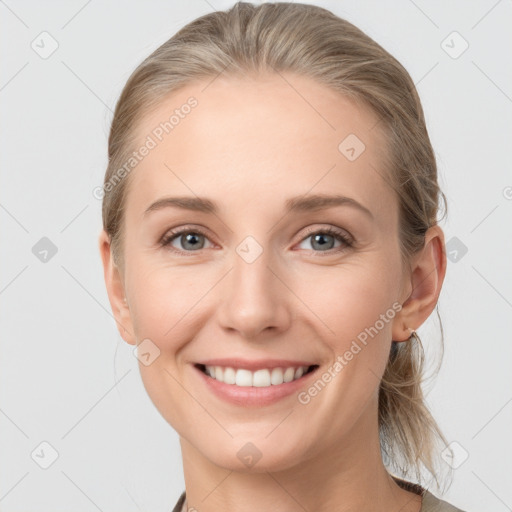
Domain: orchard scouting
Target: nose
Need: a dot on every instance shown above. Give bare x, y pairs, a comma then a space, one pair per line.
255, 299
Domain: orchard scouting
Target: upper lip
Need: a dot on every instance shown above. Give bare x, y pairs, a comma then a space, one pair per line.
239, 363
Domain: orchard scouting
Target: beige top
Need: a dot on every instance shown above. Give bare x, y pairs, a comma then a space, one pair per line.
429, 502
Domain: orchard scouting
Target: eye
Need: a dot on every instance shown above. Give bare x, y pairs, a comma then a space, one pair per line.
324, 240
193, 240
190, 239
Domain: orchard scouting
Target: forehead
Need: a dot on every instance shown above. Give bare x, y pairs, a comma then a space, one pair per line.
260, 140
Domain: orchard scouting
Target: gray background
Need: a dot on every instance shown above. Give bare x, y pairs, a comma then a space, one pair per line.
66, 376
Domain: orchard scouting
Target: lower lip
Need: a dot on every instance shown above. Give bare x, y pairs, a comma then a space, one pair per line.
252, 395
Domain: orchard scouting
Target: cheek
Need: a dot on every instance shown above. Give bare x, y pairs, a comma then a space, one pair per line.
166, 300
353, 307
350, 297
345, 299
167, 308
342, 305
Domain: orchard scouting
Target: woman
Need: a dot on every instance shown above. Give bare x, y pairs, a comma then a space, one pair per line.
271, 245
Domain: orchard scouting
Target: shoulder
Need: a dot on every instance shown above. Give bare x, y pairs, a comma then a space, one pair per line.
431, 503
180, 502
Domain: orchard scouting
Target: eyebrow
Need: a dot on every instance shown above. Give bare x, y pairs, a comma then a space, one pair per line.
295, 204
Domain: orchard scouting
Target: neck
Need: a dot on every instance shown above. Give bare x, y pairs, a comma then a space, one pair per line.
344, 476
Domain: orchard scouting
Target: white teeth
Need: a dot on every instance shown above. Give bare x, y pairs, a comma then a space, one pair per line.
259, 378
229, 376
243, 377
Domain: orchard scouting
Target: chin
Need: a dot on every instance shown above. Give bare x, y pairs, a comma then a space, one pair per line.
254, 457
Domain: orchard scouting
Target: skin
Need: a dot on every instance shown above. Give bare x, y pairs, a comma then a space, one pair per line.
250, 144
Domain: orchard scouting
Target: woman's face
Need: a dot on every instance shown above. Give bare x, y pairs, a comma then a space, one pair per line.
254, 275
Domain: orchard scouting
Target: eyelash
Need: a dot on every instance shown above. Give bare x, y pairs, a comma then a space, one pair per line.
170, 236
336, 233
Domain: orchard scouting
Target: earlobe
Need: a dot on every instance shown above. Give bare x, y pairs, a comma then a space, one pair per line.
428, 269
115, 290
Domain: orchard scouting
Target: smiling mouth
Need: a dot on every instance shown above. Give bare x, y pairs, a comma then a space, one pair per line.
260, 378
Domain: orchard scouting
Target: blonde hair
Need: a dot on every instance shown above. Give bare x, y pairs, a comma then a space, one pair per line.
313, 42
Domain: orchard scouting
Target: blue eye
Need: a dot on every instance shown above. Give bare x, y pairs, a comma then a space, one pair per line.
330, 234
193, 240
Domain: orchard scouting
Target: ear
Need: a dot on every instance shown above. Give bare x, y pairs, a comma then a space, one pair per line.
428, 269
115, 289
